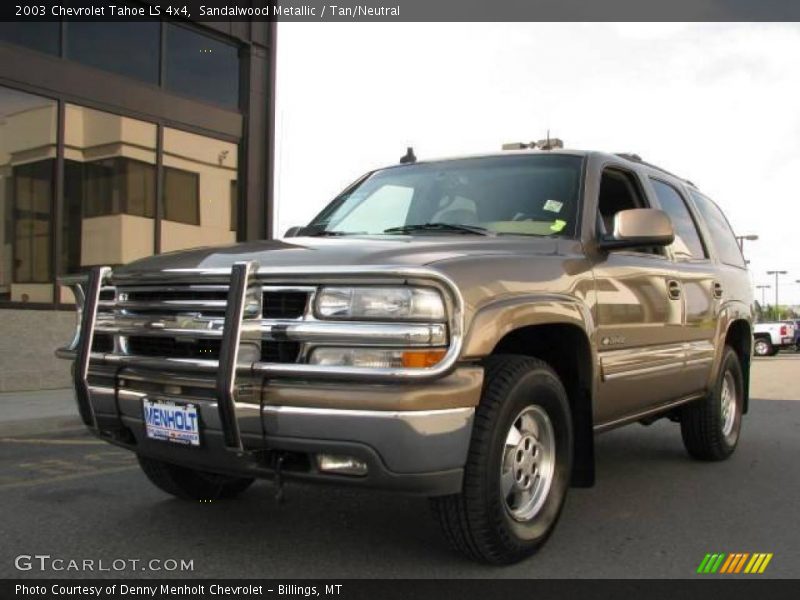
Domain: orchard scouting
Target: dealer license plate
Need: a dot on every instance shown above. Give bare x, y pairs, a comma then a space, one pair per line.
178, 423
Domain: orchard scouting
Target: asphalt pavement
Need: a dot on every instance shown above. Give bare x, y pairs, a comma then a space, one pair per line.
653, 513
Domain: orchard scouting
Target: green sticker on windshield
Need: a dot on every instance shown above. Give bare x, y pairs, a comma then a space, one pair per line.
558, 225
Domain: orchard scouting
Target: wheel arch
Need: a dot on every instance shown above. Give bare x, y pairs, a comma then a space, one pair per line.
566, 347
739, 336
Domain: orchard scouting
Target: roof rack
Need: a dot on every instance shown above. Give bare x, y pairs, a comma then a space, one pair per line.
545, 144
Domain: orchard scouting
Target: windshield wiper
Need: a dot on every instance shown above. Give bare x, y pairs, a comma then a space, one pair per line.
474, 229
329, 233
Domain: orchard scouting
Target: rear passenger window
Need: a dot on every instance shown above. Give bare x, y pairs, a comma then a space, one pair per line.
687, 242
720, 230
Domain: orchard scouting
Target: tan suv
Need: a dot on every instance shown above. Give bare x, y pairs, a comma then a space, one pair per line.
456, 328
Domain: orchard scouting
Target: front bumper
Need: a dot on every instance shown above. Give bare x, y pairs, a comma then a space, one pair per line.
418, 451
410, 426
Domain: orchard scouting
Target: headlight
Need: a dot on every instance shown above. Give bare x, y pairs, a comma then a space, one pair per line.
385, 358
380, 303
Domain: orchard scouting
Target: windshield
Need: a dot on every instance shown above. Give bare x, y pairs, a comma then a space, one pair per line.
526, 195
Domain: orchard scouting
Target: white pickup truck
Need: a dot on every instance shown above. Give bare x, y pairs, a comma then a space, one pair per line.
768, 338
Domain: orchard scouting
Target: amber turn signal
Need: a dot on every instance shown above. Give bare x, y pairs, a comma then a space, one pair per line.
421, 359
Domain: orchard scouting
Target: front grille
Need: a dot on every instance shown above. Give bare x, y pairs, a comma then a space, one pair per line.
162, 295
280, 352
277, 304
205, 300
173, 348
275, 352
195, 305
103, 342
285, 305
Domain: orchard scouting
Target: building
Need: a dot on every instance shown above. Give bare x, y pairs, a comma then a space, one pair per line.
120, 140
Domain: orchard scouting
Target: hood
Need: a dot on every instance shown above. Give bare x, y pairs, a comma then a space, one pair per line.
323, 252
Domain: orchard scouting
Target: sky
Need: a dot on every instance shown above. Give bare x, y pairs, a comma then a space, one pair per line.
716, 103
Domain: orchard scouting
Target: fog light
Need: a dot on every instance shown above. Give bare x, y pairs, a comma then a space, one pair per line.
343, 465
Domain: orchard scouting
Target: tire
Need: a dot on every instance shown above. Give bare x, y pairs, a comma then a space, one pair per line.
482, 522
191, 484
710, 432
763, 347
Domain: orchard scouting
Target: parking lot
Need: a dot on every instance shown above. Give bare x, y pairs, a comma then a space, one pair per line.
653, 512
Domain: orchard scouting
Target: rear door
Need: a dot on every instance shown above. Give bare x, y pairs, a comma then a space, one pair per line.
700, 289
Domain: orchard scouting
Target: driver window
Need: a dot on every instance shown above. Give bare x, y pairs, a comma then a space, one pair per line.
619, 190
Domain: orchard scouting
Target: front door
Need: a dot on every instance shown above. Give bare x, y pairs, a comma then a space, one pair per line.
639, 313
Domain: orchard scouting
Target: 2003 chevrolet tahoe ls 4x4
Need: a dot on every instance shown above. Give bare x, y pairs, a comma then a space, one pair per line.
456, 328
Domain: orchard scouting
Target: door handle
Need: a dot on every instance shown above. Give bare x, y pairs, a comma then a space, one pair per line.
673, 289
717, 290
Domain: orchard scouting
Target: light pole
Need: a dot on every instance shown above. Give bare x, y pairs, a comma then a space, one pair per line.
777, 308
750, 237
763, 288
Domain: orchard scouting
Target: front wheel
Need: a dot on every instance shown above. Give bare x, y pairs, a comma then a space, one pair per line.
191, 484
710, 427
518, 468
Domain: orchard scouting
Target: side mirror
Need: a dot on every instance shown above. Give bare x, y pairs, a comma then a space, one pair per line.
638, 227
293, 231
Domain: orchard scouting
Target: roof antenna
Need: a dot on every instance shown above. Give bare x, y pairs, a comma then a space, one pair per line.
409, 156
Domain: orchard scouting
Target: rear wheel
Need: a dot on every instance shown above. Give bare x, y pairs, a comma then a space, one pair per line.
762, 347
518, 468
710, 427
191, 484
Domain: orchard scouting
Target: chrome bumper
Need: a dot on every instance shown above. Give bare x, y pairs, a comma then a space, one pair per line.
415, 451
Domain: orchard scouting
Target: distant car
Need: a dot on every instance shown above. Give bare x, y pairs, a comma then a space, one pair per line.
769, 338
797, 336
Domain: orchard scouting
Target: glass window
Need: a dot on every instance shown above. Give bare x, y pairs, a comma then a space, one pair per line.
687, 242
200, 66
526, 195
199, 176
109, 189
181, 196
43, 36
618, 191
33, 194
127, 48
721, 233
385, 207
27, 159
119, 185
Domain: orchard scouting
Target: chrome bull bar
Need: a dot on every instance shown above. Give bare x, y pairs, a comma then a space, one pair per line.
226, 366
80, 372
229, 353
239, 326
